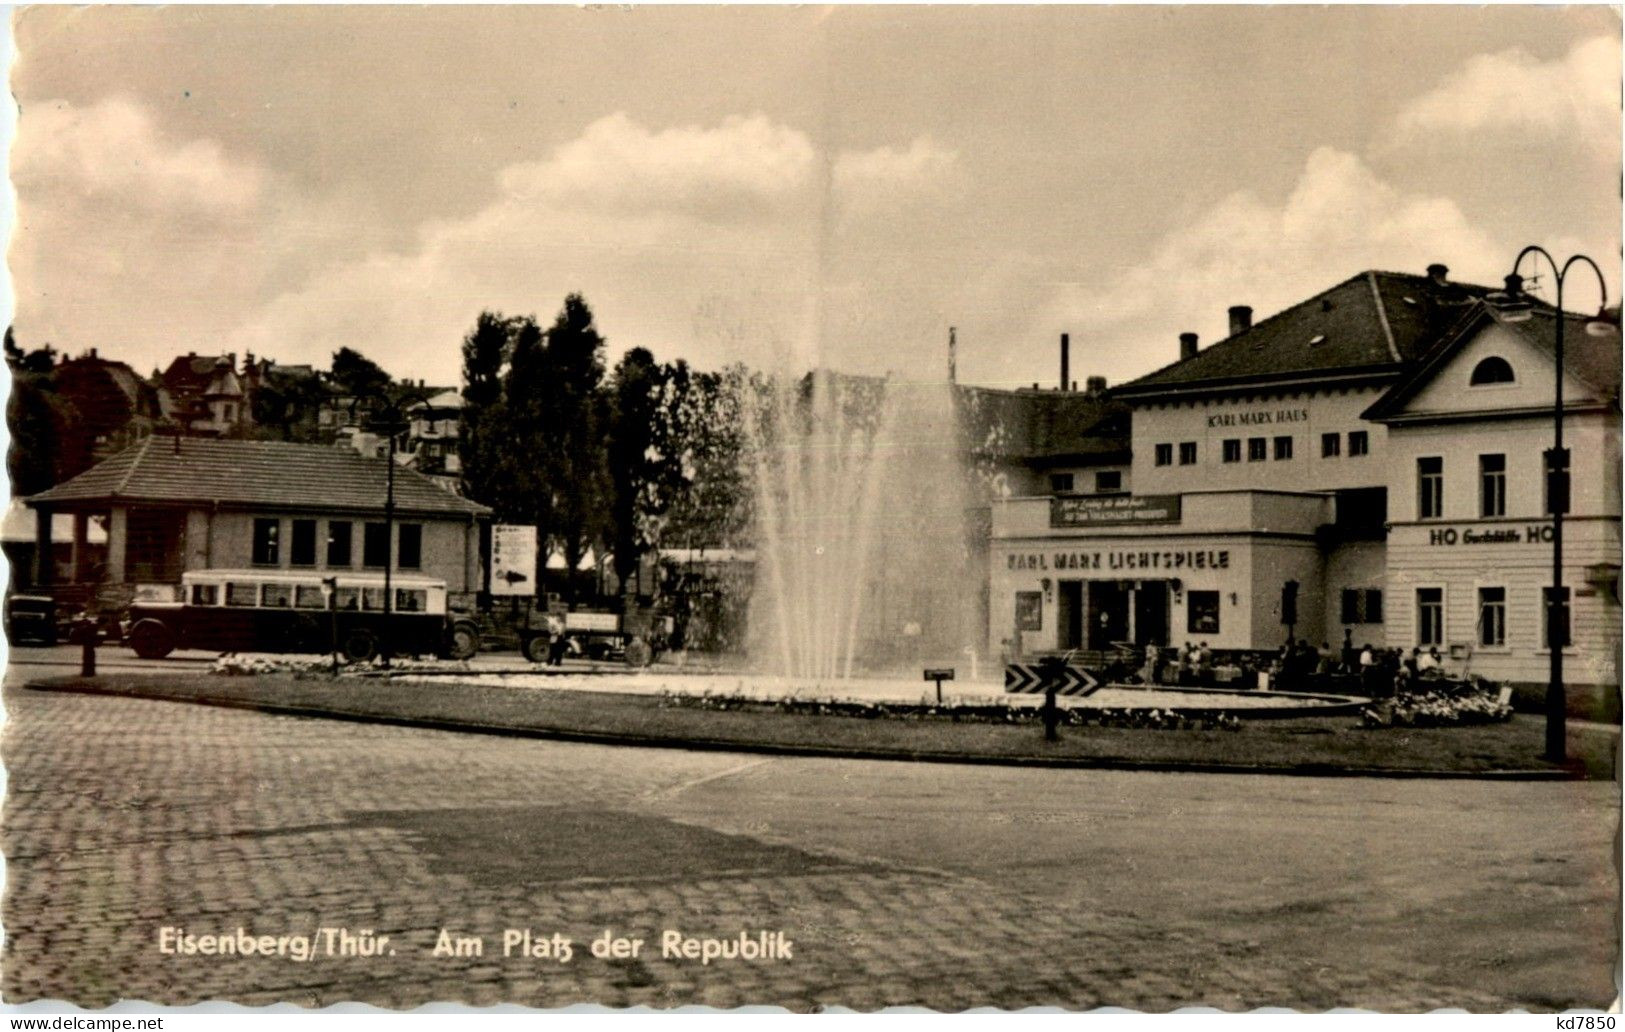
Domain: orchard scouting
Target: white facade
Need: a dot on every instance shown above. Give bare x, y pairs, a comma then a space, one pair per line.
1486, 556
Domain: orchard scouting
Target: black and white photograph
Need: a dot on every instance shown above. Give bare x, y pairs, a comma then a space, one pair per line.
819, 508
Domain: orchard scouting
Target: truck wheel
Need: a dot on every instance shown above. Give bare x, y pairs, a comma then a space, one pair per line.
638, 653
536, 648
465, 641
151, 639
360, 645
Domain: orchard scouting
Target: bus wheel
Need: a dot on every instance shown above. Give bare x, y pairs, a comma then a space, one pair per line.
360, 645
638, 653
536, 648
151, 639
465, 641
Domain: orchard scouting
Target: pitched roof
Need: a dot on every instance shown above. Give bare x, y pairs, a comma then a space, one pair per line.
1593, 357
261, 474
1374, 321
1032, 426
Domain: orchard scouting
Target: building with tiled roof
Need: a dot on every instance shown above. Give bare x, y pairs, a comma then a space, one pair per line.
177, 503
1273, 483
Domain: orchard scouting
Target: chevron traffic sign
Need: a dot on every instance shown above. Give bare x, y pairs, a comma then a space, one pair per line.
1029, 678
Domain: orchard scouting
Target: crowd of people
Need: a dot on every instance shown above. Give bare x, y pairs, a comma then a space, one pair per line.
1383, 672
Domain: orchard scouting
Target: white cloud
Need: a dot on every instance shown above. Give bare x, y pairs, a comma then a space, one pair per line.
113, 150
739, 168
1575, 96
673, 235
886, 176
1339, 219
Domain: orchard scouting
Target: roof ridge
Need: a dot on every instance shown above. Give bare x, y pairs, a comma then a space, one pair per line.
1257, 325
1382, 314
140, 451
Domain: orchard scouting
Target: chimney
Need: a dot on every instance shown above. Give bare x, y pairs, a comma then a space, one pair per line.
1187, 346
1066, 361
1439, 274
1241, 319
1096, 385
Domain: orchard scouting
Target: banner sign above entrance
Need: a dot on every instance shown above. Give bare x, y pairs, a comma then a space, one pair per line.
1109, 510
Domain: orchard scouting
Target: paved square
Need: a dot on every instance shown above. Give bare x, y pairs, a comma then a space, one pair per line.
928, 885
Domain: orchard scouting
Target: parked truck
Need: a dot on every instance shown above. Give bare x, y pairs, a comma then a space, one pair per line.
638, 636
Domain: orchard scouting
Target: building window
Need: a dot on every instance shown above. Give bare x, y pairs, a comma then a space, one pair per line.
1187, 453
1359, 443
1232, 450
1165, 455
1257, 449
338, 543
375, 545
1492, 485
1492, 616
1556, 623
1429, 616
1331, 445
1202, 612
1060, 483
302, 543
266, 544
1430, 487
410, 547
1492, 370
1362, 605
1283, 447
1109, 481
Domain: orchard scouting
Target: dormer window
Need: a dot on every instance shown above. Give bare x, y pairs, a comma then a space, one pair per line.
1492, 370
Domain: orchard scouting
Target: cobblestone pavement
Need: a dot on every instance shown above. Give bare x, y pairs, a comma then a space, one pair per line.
124, 817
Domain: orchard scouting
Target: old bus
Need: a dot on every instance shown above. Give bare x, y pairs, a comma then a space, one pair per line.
282, 611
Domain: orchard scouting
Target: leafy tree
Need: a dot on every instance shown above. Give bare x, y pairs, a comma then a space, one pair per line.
483, 444
354, 373
645, 445
522, 450
286, 406
41, 421
571, 419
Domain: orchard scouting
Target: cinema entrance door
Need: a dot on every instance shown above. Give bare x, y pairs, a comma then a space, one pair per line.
1116, 611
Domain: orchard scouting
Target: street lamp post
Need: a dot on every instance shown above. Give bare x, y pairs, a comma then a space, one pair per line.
1516, 308
389, 416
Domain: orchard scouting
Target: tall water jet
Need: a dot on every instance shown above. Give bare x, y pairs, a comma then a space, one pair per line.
864, 554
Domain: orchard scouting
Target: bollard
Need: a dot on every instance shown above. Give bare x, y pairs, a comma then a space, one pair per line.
1052, 714
86, 630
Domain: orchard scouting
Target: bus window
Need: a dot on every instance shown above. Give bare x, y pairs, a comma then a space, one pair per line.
205, 594
277, 596
309, 596
372, 599
240, 594
411, 600
348, 598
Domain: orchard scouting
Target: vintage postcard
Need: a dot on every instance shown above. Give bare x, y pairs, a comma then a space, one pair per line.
840, 507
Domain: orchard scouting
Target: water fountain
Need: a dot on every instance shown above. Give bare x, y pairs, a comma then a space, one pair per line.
865, 560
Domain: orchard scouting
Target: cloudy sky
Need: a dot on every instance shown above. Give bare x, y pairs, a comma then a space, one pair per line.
785, 185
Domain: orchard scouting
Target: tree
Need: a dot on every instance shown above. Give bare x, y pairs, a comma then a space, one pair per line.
43, 424
288, 404
571, 419
482, 443
355, 374
522, 451
645, 446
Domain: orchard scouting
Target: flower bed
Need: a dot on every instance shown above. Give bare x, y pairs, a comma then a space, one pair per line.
961, 712
1452, 704
246, 664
